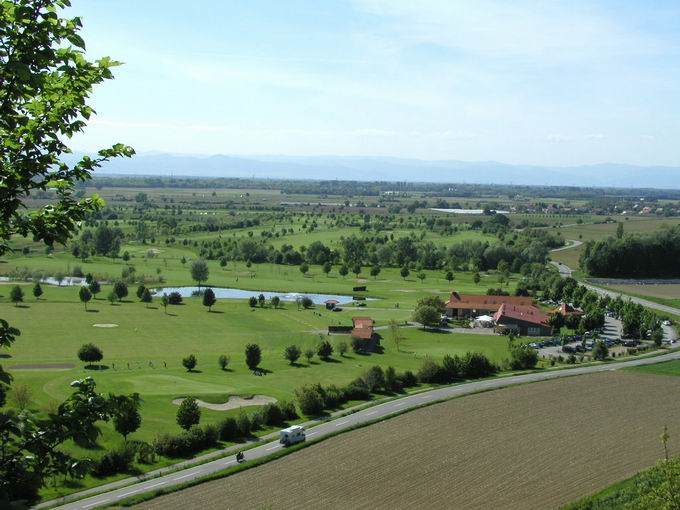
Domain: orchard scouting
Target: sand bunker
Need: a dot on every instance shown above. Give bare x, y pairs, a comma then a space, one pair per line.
234, 402
104, 325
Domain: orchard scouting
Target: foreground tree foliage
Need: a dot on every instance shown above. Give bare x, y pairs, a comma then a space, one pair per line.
45, 81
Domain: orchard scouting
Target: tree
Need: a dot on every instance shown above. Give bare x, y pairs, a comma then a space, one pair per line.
342, 348
476, 278
120, 289
209, 299
556, 321
112, 297
356, 269
188, 414
140, 291
375, 271
21, 396
85, 295
46, 81
90, 353
657, 336
16, 295
223, 361
189, 362
449, 276
600, 351
199, 271
261, 300
252, 301
292, 353
421, 276
343, 271
307, 303
304, 268
393, 327
165, 301
309, 354
404, 272
253, 356
427, 315
619, 230
126, 417
276, 300
95, 288
327, 267
37, 291
325, 350
147, 297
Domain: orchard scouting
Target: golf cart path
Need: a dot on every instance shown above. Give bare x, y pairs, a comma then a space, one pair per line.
318, 429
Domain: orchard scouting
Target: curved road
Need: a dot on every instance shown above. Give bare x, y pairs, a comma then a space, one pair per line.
566, 271
344, 422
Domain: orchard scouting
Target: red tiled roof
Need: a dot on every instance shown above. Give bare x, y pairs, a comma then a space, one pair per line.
478, 301
363, 327
523, 313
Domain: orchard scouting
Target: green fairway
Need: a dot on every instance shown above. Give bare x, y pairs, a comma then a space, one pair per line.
668, 368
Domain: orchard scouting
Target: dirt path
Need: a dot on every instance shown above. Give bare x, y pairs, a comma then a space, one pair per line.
529, 447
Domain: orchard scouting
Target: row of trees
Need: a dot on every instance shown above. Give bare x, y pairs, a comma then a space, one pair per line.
634, 256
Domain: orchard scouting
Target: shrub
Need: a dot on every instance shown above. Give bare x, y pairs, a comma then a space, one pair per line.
273, 415
523, 357
145, 453
357, 390
476, 365
374, 378
333, 397
452, 368
243, 424
431, 372
174, 298
189, 362
288, 410
310, 400
223, 361
408, 379
307, 303
392, 381
253, 356
228, 429
118, 460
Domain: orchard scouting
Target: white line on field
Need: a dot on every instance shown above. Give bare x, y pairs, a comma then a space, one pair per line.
95, 503
341, 423
371, 413
183, 476
155, 485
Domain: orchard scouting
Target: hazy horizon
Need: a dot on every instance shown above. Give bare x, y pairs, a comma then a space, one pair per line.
559, 84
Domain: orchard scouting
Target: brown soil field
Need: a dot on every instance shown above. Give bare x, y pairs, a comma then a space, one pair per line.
537, 446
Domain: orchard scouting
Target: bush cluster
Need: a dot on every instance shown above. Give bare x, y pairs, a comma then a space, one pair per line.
120, 459
313, 399
195, 439
472, 365
270, 415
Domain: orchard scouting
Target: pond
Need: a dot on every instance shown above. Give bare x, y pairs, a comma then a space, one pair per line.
229, 293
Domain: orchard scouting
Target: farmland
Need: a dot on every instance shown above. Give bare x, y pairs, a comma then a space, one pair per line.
256, 240
666, 294
481, 451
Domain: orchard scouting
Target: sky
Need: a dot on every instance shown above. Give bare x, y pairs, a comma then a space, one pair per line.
545, 82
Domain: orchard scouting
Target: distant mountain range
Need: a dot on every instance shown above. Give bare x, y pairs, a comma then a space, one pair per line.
361, 168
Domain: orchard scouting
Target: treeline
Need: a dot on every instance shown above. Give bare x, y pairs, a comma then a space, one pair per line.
357, 188
654, 255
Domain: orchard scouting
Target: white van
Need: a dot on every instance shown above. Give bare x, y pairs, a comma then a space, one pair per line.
292, 435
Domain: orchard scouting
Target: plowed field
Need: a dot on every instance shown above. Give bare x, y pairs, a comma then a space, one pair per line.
533, 446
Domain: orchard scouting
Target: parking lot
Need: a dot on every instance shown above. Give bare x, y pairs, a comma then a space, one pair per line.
610, 334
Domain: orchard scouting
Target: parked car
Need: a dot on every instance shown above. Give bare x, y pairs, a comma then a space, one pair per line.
568, 349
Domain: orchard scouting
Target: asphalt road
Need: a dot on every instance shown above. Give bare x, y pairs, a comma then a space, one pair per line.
341, 423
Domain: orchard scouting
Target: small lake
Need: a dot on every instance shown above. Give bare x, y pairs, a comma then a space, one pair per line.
228, 293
